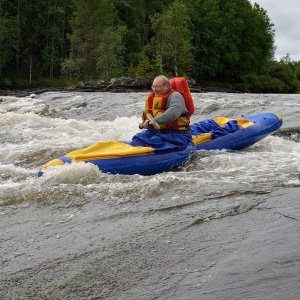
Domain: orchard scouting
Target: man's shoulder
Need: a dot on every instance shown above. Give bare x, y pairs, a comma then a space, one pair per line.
176, 94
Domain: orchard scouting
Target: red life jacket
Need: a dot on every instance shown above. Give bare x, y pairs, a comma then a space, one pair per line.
179, 84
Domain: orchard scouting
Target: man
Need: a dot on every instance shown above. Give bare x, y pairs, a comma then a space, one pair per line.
167, 110
166, 106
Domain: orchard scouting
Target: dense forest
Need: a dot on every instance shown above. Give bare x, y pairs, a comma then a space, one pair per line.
228, 43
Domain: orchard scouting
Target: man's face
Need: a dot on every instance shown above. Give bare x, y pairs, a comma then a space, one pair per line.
158, 87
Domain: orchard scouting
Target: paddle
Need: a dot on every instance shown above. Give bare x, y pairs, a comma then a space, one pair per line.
153, 122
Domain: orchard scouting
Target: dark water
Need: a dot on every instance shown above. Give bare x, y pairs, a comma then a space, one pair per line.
223, 226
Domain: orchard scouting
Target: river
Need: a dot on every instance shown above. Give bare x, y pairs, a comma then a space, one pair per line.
225, 225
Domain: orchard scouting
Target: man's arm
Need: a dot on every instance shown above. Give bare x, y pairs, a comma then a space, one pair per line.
175, 108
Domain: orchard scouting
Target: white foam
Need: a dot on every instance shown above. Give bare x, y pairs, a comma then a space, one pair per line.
80, 173
29, 139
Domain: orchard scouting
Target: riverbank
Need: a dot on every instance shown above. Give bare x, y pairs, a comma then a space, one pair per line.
115, 85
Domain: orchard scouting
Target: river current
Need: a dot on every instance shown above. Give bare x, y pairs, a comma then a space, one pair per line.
77, 233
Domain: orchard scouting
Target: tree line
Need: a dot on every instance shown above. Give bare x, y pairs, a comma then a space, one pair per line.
215, 42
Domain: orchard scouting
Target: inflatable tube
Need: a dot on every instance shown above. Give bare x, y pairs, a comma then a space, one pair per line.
117, 157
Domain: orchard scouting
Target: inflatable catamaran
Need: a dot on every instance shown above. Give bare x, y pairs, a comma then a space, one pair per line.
120, 157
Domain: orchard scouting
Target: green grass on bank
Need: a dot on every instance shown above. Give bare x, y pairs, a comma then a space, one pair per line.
41, 83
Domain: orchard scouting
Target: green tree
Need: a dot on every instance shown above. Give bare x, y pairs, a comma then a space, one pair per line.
257, 40
226, 41
111, 53
232, 38
71, 69
40, 32
285, 71
8, 40
172, 40
131, 13
91, 19
206, 23
18, 10
54, 30
135, 15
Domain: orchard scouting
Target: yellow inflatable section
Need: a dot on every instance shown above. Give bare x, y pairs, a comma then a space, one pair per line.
108, 149
201, 138
241, 122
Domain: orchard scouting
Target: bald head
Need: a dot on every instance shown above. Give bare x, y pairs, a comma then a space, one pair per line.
160, 85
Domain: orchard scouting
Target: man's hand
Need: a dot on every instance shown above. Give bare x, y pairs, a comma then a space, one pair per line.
145, 125
153, 122
149, 123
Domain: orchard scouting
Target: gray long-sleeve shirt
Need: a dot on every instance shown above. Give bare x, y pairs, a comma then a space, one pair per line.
175, 108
